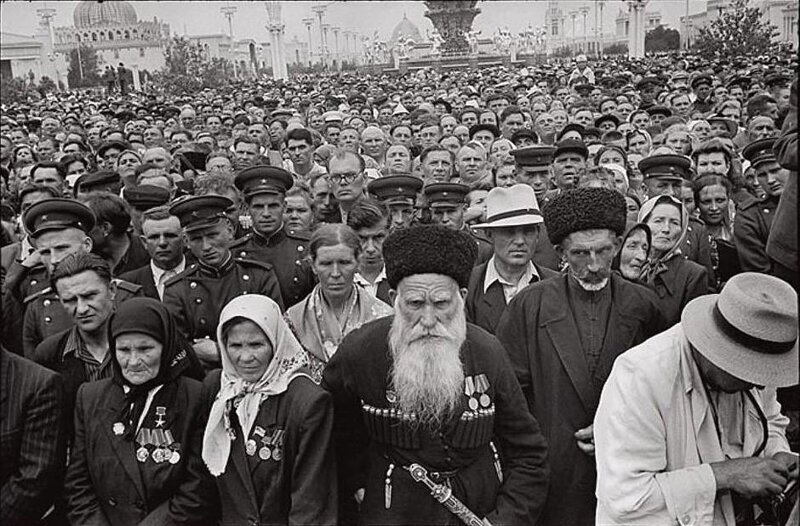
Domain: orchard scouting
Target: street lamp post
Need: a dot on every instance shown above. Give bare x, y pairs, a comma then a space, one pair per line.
574, 16
319, 9
309, 23
584, 11
229, 11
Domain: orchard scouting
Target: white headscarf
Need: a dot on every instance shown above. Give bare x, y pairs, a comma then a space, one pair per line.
287, 361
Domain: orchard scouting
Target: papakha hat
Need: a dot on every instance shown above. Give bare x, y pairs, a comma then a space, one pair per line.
585, 209
749, 330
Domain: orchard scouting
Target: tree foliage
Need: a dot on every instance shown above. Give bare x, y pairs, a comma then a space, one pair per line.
738, 31
88, 63
620, 48
188, 69
17, 91
662, 39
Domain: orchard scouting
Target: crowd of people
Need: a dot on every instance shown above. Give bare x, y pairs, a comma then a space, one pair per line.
560, 294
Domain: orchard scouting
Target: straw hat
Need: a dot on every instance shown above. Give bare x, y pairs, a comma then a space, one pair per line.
749, 330
514, 206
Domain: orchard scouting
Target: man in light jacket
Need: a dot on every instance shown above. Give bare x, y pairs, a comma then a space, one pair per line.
688, 429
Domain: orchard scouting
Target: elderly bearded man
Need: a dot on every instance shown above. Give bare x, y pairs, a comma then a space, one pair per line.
563, 335
426, 394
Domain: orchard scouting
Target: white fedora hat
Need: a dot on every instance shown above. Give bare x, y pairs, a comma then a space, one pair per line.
749, 330
513, 206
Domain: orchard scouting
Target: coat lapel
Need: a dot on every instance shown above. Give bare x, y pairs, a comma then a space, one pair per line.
240, 464
125, 451
563, 332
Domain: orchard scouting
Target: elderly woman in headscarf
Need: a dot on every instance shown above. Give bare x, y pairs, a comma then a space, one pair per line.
675, 279
135, 457
633, 252
268, 437
337, 305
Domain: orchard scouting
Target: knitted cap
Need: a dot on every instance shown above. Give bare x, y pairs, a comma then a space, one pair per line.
430, 249
584, 209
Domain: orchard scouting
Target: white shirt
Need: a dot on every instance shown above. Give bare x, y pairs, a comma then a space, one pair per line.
372, 288
160, 275
509, 289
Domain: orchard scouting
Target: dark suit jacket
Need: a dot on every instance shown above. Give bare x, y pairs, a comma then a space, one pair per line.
484, 309
538, 330
300, 487
104, 483
32, 452
143, 276
683, 281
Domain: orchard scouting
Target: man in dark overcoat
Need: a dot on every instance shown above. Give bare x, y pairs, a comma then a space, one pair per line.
423, 391
563, 334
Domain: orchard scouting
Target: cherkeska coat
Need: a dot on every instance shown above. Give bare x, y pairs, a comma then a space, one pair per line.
106, 485
538, 330
297, 486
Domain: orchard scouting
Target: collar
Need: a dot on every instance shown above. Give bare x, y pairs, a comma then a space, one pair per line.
217, 272
158, 272
492, 275
272, 240
364, 282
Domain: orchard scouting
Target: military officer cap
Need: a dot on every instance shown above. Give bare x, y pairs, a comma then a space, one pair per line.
446, 194
668, 166
102, 181
195, 212
356, 99
759, 151
537, 155
263, 179
701, 79
571, 145
57, 214
146, 196
396, 189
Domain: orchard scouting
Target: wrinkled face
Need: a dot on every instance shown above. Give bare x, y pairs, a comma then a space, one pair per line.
500, 151
297, 214
713, 163
589, 254
139, 356
514, 246
210, 244
438, 166
325, 201
249, 350
772, 177
335, 266
537, 178
665, 224
87, 298
633, 254
702, 130
158, 156
680, 142
426, 301
663, 186
163, 241
373, 142
348, 140
462, 132
55, 245
567, 167
450, 215
402, 135
398, 159
762, 129
448, 124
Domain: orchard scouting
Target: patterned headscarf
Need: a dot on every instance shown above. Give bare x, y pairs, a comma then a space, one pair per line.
288, 361
657, 265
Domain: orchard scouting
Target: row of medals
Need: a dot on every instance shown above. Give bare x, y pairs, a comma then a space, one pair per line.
165, 450
272, 446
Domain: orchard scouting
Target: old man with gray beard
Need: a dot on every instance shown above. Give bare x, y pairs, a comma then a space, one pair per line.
431, 424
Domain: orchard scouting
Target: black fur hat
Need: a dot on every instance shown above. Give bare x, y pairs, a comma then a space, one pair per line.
584, 209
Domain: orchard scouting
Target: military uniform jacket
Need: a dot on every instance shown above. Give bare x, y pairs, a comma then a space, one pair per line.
296, 482
539, 333
107, 485
751, 228
286, 251
196, 296
44, 315
485, 247
375, 441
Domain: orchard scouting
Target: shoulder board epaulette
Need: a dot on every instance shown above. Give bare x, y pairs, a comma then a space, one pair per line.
298, 234
253, 263
241, 241
127, 286
189, 270
37, 295
750, 202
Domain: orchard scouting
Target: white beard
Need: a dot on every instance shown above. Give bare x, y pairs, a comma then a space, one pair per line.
427, 373
592, 287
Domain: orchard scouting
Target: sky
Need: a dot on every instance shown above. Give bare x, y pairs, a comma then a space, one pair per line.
200, 17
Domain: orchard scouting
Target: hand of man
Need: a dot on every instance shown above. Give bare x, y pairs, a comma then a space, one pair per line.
585, 438
206, 350
790, 462
752, 477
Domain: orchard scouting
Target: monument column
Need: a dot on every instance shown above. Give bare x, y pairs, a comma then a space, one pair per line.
276, 29
453, 20
637, 28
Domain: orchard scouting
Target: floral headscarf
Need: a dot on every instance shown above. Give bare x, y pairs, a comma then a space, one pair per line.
657, 265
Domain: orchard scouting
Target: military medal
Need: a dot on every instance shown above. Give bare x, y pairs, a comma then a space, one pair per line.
175, 457
481, 386
157, 455
277, 439
160, 412
250, 447
118, 428
142, 454
264, 453
391, 396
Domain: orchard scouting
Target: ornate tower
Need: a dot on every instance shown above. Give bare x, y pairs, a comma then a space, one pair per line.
453, 20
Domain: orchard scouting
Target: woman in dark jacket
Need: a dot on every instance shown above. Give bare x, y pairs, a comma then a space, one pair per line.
268, 437
136, 453
675, 279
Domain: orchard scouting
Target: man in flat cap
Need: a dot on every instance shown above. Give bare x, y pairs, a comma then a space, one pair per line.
142, 198
447, 203
569, 163
753, 220
425, 401
268, 240
196, 295
563, 334
688, 427
58, 228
